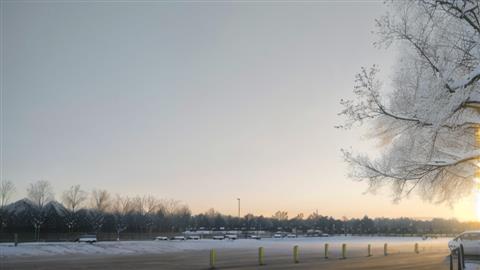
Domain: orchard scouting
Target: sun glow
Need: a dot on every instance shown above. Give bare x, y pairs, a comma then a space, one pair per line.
477, 204
476, 179
476, 194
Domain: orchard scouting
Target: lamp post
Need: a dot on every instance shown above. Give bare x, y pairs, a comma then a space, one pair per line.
238, 199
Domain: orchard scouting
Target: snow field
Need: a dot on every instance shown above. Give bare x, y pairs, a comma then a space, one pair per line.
356, 246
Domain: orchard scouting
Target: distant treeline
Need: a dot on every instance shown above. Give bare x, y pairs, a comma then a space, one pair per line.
100, 212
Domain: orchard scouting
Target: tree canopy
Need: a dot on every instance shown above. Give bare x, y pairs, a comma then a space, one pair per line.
428, 117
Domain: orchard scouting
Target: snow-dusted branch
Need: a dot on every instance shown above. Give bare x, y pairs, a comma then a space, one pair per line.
465, 10
446, 177
466, 81
368, 106
458, 159
422, 35
428, 119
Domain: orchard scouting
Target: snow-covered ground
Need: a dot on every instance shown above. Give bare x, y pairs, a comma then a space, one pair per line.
472, 266
355, 245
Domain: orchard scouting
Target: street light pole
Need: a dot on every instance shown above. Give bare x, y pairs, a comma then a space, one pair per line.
238, 199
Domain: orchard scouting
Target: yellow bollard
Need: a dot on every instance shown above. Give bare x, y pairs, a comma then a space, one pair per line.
326, 251
213, 258
369, 250
261, 254
344, 251
416, 248
385, 249
295, 254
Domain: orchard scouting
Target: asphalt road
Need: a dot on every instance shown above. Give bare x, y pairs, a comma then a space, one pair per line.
237, 259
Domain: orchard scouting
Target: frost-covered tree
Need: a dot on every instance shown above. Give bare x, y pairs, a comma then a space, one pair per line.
427, 121
101, 200
72, 200
39, 193
145, 208
280, 215
100, 204
122, 206
180, 218
6, 190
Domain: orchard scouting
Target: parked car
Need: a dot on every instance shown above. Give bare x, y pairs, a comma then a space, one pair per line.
194, 237
218, 237
277, 235
87, 238
161, 238
324, 235
231, 236
291, 235
179, 237
470, 240
256, 237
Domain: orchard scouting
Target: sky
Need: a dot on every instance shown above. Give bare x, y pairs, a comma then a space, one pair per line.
203, 102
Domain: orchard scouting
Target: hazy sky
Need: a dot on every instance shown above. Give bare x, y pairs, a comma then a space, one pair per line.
200, 102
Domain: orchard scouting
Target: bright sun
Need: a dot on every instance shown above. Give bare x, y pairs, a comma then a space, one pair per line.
477, 197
